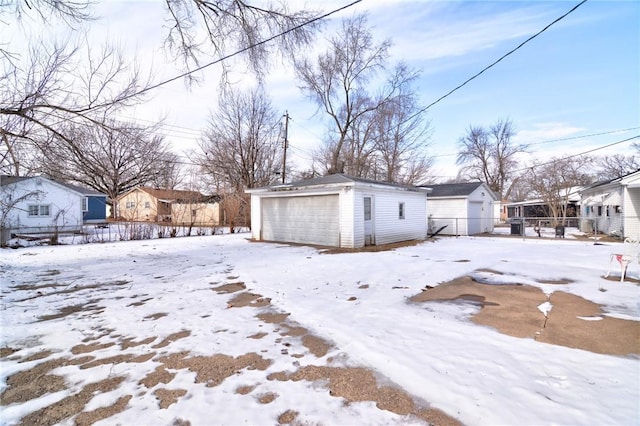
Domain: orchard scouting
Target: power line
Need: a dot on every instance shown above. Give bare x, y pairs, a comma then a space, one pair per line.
578, 155
562, 139
231, 55
495, 62
584, 136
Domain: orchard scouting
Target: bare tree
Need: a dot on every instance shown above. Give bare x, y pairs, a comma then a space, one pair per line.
402, 134
200, 28
111, 159
489, 155
614, 166
241, 148
52, 88
338, 80
71, 11
554, 181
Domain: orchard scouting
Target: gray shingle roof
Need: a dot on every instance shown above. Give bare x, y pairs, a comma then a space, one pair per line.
453, 189
342, 178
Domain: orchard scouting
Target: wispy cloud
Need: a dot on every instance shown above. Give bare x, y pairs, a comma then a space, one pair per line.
543, 132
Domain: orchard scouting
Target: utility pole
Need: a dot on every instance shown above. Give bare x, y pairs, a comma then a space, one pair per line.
285, 145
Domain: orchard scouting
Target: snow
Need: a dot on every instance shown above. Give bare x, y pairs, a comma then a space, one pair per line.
431, 350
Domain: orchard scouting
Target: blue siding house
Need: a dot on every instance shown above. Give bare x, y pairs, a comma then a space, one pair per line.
94, 205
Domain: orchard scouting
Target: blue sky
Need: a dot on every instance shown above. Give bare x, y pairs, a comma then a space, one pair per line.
581, 76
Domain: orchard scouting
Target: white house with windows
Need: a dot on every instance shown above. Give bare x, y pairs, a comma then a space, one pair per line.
338, 211
41, 205
612, 207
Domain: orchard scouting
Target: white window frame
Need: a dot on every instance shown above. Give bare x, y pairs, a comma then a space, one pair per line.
402, 213
38, 209
147, 205
85, 204
130, 205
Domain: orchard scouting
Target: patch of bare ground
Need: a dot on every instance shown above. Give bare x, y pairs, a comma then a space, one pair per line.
558, 281
244, 390
154, 317
72, 404
118, 359
608, 335
229, 288
356, 384
294, 331
172, 338
6, 351
83, 349
317, 346
140, 302
169, 396
369, 249
272, 317
90, 306
287, 417
267, 398
37, 356
77, 288
28, 287
248, 299
49, 273
29, 384
130, 343
364, 286
627, 279
213, 370
87, 418
159, 375
513, 310
258, 336
180, 422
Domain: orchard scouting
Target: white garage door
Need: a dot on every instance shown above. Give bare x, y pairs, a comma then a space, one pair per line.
309, 220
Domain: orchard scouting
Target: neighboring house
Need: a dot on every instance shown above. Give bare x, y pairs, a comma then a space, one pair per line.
613, 206
37, 204
465, 208
169, 205
537, 208
339, 211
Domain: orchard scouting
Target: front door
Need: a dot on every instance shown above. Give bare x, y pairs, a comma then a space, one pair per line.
369, 238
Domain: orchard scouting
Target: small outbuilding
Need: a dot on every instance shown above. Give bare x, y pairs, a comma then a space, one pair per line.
464, 208
338, 211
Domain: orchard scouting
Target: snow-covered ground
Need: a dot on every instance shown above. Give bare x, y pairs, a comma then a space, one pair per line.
154, 289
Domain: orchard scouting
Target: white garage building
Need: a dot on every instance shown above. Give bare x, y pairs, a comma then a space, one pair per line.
464, 208
339, 211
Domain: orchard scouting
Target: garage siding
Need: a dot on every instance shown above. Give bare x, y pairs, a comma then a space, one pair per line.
307, 219
388, 227
449, 212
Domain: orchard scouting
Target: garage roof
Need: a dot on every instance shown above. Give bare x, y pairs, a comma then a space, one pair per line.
334, 180
453, 189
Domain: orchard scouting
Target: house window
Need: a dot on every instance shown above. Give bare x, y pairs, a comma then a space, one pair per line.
618, 209
147, 205
130, 204
400, 210
599, 210
367, 208
85, 204
39, 210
